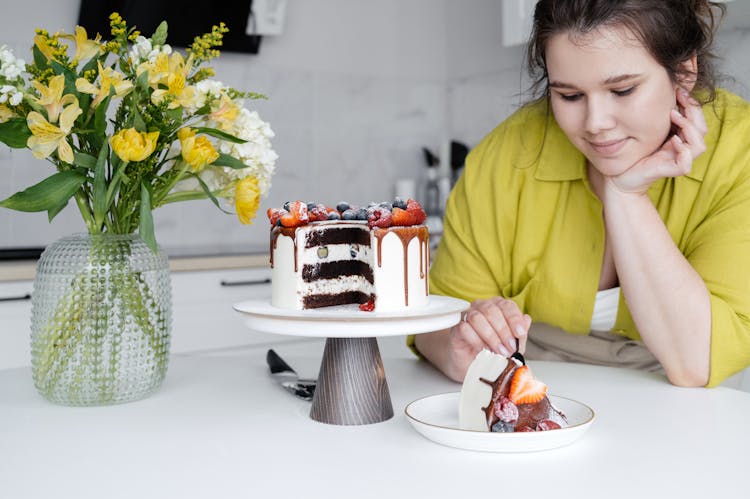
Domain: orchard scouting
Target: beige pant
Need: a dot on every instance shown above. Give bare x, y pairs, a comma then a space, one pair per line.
602, 348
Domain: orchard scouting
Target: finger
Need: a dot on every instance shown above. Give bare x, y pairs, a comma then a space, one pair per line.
516, 322
523, 339
464, 337
491, 334
692, 110
683, 156
689, 134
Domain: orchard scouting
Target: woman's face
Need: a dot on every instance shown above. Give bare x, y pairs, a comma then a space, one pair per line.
610, 96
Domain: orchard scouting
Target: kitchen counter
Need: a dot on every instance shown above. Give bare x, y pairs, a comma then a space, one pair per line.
221, 427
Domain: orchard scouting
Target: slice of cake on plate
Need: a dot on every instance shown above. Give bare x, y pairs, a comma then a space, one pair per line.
502, 395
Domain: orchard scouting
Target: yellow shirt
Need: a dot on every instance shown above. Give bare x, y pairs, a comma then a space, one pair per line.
523, 223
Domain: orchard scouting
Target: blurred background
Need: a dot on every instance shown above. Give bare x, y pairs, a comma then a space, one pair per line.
362, 97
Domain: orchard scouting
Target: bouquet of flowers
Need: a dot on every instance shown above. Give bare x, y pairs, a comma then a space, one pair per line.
131, 125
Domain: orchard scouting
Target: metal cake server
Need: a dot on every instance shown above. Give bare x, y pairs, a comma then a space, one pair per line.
288, 378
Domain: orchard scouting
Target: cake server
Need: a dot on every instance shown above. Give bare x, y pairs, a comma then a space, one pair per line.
518, 355
288, 378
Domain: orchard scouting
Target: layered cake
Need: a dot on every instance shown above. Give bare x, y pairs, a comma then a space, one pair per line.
502, 395
376, 256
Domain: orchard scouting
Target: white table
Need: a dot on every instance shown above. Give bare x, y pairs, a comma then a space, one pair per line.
220, 427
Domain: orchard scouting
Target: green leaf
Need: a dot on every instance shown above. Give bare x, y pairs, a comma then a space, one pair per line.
100, 187
138, 122
213, 132
160, 35
210, 194
15, 132
52, 212
48, 194
142, 81
230, 161
70, 77
84, 160
40, 61
146, 224
100, 117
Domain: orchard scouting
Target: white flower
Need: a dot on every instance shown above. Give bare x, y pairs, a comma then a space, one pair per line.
10, 94
10, 67
142, 50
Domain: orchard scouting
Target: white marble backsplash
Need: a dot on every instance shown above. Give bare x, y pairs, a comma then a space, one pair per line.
355, 88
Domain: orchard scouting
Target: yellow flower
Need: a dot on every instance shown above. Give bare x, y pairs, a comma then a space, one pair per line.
158, 70
247, 199
85, 48
51, 97
108, 78
131, 145
196, 151
176, 82
225, 112
47, 137
45, 45
5, 113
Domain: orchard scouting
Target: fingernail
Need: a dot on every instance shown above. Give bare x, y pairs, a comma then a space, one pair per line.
520, 331
502, 351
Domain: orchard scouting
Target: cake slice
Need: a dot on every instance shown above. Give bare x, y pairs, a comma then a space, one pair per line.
502, 395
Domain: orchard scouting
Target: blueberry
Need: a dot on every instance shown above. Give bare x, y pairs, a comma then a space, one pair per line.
503, 427
353, 249
388, 206
372, 204
334, 215
349, 215
278, 223
286, 205
399, 203
342, 206
362, 214
310, 206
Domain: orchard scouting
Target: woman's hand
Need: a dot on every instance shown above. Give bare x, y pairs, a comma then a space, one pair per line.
493, 324
675, 157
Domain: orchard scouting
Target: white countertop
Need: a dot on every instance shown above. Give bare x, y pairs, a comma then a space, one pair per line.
220, 427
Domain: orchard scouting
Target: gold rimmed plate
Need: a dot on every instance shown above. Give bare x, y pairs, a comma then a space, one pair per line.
436, 418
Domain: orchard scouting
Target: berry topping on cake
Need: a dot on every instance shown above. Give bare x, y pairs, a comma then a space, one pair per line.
382, 214
379, 217
367, 306
415, 209
402, 217
524, 388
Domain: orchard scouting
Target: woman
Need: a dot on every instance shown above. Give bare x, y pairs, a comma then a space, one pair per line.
614, 209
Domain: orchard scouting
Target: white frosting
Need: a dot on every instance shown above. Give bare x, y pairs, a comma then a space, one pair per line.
288, 287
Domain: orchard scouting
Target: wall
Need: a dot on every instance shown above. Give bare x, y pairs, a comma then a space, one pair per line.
356, 89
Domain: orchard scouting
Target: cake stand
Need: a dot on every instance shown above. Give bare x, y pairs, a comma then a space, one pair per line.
351, 388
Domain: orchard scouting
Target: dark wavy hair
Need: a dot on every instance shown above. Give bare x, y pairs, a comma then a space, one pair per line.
671, 30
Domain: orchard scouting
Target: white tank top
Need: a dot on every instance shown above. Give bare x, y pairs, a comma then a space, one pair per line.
605, 309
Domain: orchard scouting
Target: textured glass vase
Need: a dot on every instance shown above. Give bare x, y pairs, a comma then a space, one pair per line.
101, 317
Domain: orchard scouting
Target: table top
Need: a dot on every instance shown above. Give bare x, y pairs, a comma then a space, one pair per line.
221, 427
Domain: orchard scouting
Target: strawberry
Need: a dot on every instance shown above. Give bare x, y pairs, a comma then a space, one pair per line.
402, 217
416, 210
524, 388
274, 214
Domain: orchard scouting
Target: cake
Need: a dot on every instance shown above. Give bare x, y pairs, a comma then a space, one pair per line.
377, 256
502, 395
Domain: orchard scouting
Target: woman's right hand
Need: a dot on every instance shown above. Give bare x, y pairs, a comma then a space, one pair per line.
494, 324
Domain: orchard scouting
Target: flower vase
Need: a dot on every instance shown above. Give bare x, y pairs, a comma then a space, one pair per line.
101, 318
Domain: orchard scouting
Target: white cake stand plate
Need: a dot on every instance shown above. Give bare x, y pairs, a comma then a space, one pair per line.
352, 388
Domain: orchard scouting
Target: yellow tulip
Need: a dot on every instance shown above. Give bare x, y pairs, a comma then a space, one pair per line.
51, 97
108, 78
47, 137
196, 151
131, 145
247, 199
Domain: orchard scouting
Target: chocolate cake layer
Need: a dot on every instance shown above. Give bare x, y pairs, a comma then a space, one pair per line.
332, 270
349, 235
327, 300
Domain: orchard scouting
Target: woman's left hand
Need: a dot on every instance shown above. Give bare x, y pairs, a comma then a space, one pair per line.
675, 157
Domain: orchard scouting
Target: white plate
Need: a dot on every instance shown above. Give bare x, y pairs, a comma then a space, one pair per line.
436, 418
348, 321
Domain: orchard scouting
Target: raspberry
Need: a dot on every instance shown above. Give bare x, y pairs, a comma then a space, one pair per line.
415, 209
547, 424
379, 217
318, 212
506, 410
367, 306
